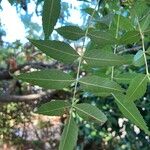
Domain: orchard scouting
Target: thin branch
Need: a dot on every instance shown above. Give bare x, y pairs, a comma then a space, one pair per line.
129, 49
36, 97
82, 54
6, 74
21, 98
143, 47
115, 49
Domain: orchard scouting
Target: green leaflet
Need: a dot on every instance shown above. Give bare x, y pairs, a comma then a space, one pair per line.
97, 58
51, 12
145, 23
54, 108
90, 113
71, 32
137, 88
124, 78
139, 9
90, 11
69, 135
49, 79
97, 84
124, 23
58, 50
101, 38
138, 59
129, 37
131, 112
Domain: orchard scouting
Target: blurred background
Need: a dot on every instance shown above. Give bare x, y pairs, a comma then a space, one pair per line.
20, 127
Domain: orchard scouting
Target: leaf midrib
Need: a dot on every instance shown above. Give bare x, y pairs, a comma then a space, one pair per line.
49, 20
102, 59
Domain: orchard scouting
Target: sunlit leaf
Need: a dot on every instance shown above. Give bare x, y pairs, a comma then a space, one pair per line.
69, 135
54, 108
90, 113
137, 88
71, 32
58, 50
131, 112
49, 79
51, 12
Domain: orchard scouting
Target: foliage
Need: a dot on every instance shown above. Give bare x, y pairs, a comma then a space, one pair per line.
112, 73
101, 51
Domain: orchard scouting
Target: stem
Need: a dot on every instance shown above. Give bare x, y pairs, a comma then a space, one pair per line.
115, 49
143, 47
81, 56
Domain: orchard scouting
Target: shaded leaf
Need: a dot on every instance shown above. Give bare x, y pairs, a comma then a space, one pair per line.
98, 84
97, 58
137, 88
49, 79
90, 113
71, 32
107, 19
130, 37
58, 50
125, 78
54, 108
51, 12
139, 9
124, 23
145, 23
90, 11
69, 135
101, 38
131, 112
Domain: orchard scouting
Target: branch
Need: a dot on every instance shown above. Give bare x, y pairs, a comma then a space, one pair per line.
35, 97
6, 74
21, 98
129, 49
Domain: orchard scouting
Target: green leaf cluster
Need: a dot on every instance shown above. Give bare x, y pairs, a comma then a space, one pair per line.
101, 53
